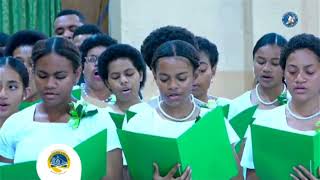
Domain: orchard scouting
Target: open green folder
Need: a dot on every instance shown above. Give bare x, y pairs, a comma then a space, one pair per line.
205, 147
275, 152
225, 109
241, 122
92, 153
119, 118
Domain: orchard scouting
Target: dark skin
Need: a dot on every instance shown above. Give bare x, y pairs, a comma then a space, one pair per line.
55, 76
302, 73
65, 26
175, 77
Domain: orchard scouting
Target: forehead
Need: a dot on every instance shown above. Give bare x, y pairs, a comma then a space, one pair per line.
204, 58
303, 57
97, 50
269, 50
8, 74
173, 65
120, 64
67, 20
53, 62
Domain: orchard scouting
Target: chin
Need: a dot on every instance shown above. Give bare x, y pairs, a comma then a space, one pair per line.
52, 103
302, 98
173, 104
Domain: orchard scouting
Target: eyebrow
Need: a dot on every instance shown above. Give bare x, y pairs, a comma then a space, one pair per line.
13, 81
115, 73
202, 62
182, 73
57, 72
261, 57
306, 66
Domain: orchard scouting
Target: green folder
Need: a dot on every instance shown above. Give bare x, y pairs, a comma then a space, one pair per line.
129, 115
25, 104
225, 109
119, 118
205, 147
241, 122
92, 153
275, 152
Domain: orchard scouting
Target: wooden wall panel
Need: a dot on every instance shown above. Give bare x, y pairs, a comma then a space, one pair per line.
92, 9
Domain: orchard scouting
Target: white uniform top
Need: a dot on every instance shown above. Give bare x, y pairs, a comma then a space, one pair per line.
275, 118
22, 139
240, 104
150, 122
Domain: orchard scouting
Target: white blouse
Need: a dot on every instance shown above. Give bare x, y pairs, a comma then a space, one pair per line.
150, 122
22, 139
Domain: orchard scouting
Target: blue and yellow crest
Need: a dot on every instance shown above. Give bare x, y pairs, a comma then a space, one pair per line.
59, 162
290, 19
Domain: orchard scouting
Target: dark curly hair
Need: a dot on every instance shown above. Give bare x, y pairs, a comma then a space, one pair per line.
162, 35
121, 51
18, 67
209, 49
176, 48
87, 29
3, 39
58, 45
301, 41
94, 41
66, 12
23, 38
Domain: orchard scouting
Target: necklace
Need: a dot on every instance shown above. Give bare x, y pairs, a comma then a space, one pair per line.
177, 119
264, 102
296, 116
83, 87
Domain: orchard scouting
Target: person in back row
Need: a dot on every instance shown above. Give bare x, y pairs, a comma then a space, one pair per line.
84, 32
93, 90
20, 46
14, 82
66, 22
208, 55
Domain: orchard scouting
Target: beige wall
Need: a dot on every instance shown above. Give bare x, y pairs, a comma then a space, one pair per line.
234, 25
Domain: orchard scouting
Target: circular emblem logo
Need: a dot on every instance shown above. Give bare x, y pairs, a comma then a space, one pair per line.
290, 19
59, 162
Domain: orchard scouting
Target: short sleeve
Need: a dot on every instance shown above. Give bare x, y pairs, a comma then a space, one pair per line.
7, 145
112, 140
233, 137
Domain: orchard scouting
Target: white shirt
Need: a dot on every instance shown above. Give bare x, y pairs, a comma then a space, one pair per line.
22, 139
150, 122
275, 118
240, 104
